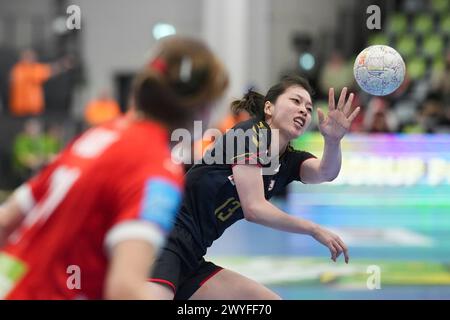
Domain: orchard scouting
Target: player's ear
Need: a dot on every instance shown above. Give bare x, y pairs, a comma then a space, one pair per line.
268, 108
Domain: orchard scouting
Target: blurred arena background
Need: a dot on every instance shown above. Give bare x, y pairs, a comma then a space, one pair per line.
392, 209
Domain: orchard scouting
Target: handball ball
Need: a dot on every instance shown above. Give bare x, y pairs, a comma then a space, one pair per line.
379, 70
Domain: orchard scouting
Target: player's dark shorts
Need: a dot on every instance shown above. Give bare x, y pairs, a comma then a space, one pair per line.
181, 266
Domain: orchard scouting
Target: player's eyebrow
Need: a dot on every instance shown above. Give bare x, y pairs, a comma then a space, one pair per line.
308, 102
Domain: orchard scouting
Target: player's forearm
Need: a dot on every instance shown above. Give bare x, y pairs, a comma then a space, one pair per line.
5, 226
133, 289
130, 264
268, 215
10, 219
331, 161
3, 236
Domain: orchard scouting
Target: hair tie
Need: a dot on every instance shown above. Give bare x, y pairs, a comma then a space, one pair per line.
159, 65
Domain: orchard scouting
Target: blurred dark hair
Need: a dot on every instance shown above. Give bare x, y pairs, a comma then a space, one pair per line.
182, 78
253, 102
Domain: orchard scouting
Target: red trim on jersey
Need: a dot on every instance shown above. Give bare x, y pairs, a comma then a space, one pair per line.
210, 276
165, 282
249, 158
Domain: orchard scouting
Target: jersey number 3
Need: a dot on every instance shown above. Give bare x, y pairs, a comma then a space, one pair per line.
227, 209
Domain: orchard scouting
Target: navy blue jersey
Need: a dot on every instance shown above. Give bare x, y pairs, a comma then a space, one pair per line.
211, 202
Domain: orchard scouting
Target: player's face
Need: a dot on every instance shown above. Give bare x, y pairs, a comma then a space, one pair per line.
292, 112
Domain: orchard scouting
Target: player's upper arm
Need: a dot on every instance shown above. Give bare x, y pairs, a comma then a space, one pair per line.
250, 188
147, 214
13, 210
24, 198
145, 204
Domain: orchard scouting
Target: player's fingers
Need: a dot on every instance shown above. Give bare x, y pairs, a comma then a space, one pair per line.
348, 104
333, 251
354, 114
341, 101
338, 248
345, 249
346, 256
320, 115
331, 102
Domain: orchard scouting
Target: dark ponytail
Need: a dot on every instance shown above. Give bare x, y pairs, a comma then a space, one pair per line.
252, 102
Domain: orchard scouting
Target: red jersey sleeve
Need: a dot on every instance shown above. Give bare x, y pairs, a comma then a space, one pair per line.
147, 202
32, 191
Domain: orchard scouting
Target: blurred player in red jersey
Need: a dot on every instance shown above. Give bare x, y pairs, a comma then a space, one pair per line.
89, 225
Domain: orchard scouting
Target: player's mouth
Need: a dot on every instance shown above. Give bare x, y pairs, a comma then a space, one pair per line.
299, 122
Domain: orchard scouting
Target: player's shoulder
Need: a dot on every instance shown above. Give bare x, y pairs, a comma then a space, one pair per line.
147, 138
123, 141
163, 169
259, 130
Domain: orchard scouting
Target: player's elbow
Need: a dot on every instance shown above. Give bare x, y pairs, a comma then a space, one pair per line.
249, 216
329, 178
252, 212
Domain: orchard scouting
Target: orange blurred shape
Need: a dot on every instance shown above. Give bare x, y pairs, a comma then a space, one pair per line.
99, 111
27, 93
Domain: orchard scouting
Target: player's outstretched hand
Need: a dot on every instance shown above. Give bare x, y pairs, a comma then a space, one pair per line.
337, 122
332, 242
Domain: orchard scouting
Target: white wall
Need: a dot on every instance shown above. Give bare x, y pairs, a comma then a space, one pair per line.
238, 31
260, 47
117, 34
23, 13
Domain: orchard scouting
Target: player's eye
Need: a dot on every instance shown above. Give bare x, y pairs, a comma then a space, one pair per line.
296, 101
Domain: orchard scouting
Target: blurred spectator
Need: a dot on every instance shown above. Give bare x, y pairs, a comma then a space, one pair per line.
337, 73
101, 110
441, 82
26, 83
33, 149
432, 117
28, 149
358, 124
53, 142
378, 118
405, 101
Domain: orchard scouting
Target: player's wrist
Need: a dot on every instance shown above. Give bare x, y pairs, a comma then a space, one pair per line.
313, 229
332, 141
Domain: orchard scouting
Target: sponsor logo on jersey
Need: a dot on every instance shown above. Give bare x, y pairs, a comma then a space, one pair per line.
271, 185
231, 178
161, 201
